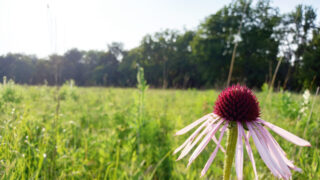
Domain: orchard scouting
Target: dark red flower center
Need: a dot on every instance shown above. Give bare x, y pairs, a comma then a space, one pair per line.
237, 103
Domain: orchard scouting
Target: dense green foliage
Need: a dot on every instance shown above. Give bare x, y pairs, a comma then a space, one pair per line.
199, 58
92, 133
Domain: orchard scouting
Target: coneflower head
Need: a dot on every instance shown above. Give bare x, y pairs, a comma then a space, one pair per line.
237, 103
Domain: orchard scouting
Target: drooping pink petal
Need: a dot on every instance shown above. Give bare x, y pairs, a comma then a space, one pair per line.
249, 151
193, 135
285, 134
271, 156
278, 163
280, 149
185, 151
275, 154
239, 153
213, 155
204, 142
191, 144
219, 145
194, 124
281, 152
263, 151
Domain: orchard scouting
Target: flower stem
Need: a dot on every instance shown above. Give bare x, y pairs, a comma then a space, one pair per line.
231, 147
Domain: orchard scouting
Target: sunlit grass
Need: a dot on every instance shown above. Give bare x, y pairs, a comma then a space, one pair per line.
95, 133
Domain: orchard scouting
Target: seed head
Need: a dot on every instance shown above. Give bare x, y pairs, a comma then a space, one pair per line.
237, 103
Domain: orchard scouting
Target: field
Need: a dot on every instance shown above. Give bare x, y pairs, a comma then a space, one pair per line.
114, 133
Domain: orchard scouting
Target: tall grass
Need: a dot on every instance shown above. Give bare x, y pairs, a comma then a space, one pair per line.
96, 134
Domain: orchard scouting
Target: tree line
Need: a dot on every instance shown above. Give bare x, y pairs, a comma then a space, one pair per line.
194, 58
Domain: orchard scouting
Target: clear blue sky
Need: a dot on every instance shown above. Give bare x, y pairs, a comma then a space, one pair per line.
42, 27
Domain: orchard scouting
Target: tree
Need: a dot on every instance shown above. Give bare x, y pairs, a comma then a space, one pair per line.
116, 49
182, 71
309, 73
297, 29
157, 50
258, 48
72, 66
18, 67
128, 67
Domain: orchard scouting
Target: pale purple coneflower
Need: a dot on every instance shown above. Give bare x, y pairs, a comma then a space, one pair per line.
238, 108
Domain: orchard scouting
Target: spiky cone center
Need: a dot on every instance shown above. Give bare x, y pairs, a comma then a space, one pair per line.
237, 103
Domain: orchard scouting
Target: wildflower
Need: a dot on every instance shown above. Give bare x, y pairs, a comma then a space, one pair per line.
238, 108
306, 96
305, 103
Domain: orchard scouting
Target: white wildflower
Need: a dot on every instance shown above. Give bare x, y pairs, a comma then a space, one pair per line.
305, 103
306, 96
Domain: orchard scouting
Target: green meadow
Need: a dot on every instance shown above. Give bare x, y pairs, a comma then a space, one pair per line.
113, 133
